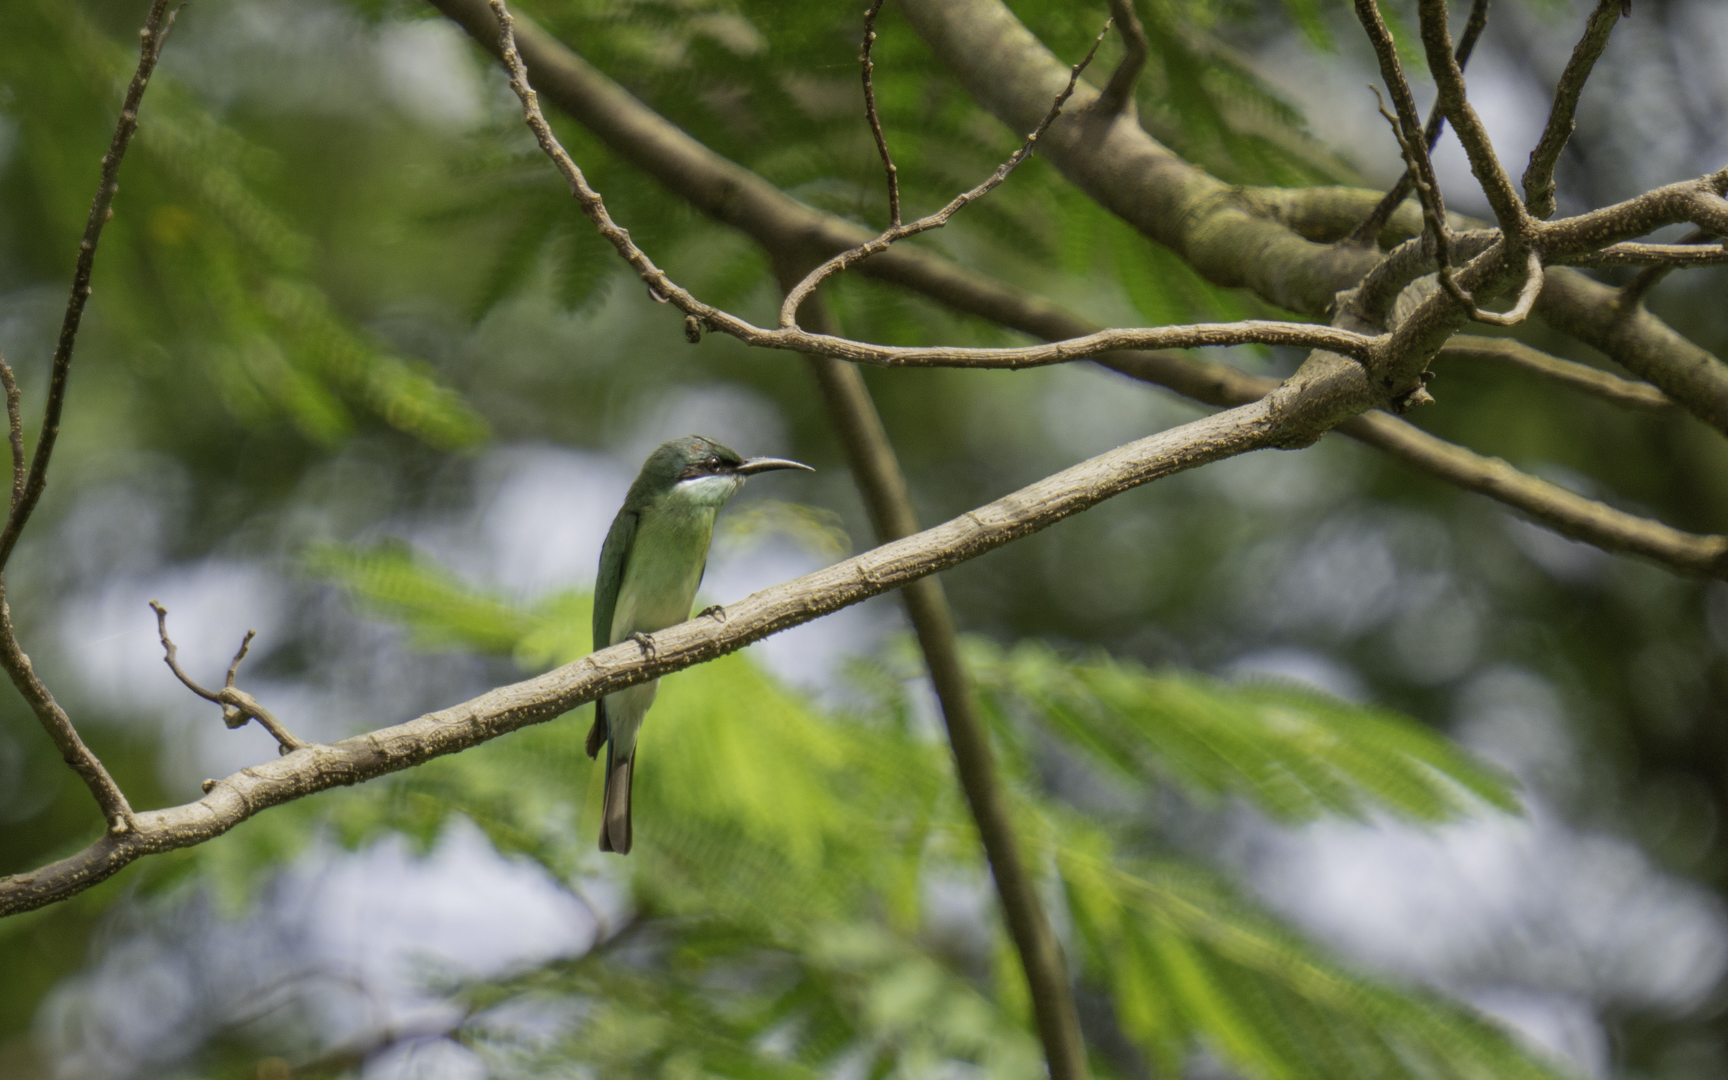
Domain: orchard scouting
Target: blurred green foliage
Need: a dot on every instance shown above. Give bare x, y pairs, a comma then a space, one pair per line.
321, 299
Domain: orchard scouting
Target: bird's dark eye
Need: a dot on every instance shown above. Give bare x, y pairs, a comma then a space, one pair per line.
713, 461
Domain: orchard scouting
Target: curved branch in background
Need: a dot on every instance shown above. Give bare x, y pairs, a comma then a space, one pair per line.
1638, 341
1593, 381
1566, 512
320, 767
876, 470
1539, 176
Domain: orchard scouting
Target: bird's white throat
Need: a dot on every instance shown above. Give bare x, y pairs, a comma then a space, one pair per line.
707, 490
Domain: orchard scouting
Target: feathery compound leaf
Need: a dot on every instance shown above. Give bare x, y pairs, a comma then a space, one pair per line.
1186, 957
1295, 752
439, 610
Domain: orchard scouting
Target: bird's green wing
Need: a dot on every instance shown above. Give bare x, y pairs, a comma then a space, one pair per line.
614, 555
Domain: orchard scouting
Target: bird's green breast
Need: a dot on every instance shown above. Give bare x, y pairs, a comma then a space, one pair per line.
664, 566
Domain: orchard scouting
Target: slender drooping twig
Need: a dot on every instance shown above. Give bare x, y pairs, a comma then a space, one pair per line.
876, 470
152, 38
1539, 176
791, 338
1367, 233
1417, 164
798, 293
237, 705
1695, 249
1118, 94
27, 485
875, 121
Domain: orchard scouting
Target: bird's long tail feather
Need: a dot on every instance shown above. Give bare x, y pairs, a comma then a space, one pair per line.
615, 814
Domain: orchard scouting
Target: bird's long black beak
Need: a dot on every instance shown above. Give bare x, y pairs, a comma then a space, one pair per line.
755, 465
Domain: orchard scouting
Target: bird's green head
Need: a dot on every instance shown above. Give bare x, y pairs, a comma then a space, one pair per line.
698, 468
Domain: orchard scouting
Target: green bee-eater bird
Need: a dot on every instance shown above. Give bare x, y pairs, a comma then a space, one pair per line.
650, 565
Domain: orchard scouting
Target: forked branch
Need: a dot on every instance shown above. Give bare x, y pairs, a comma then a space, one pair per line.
796, 296
1367, 233
237, 705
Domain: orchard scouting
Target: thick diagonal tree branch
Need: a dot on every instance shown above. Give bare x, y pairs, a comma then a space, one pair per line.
787, 228
1281, 243
319, 767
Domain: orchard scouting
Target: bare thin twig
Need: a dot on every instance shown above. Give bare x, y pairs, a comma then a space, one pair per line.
1697, 248
152, 38
1434, 212
1118, 94
1367, 233
14, 429
237, 705
109, 798
1633, 294
869, 72
1417, 164
28, 484
1539, 176
797, 294
1454, 102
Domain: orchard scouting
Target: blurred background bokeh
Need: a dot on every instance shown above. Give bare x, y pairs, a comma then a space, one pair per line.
358, 375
